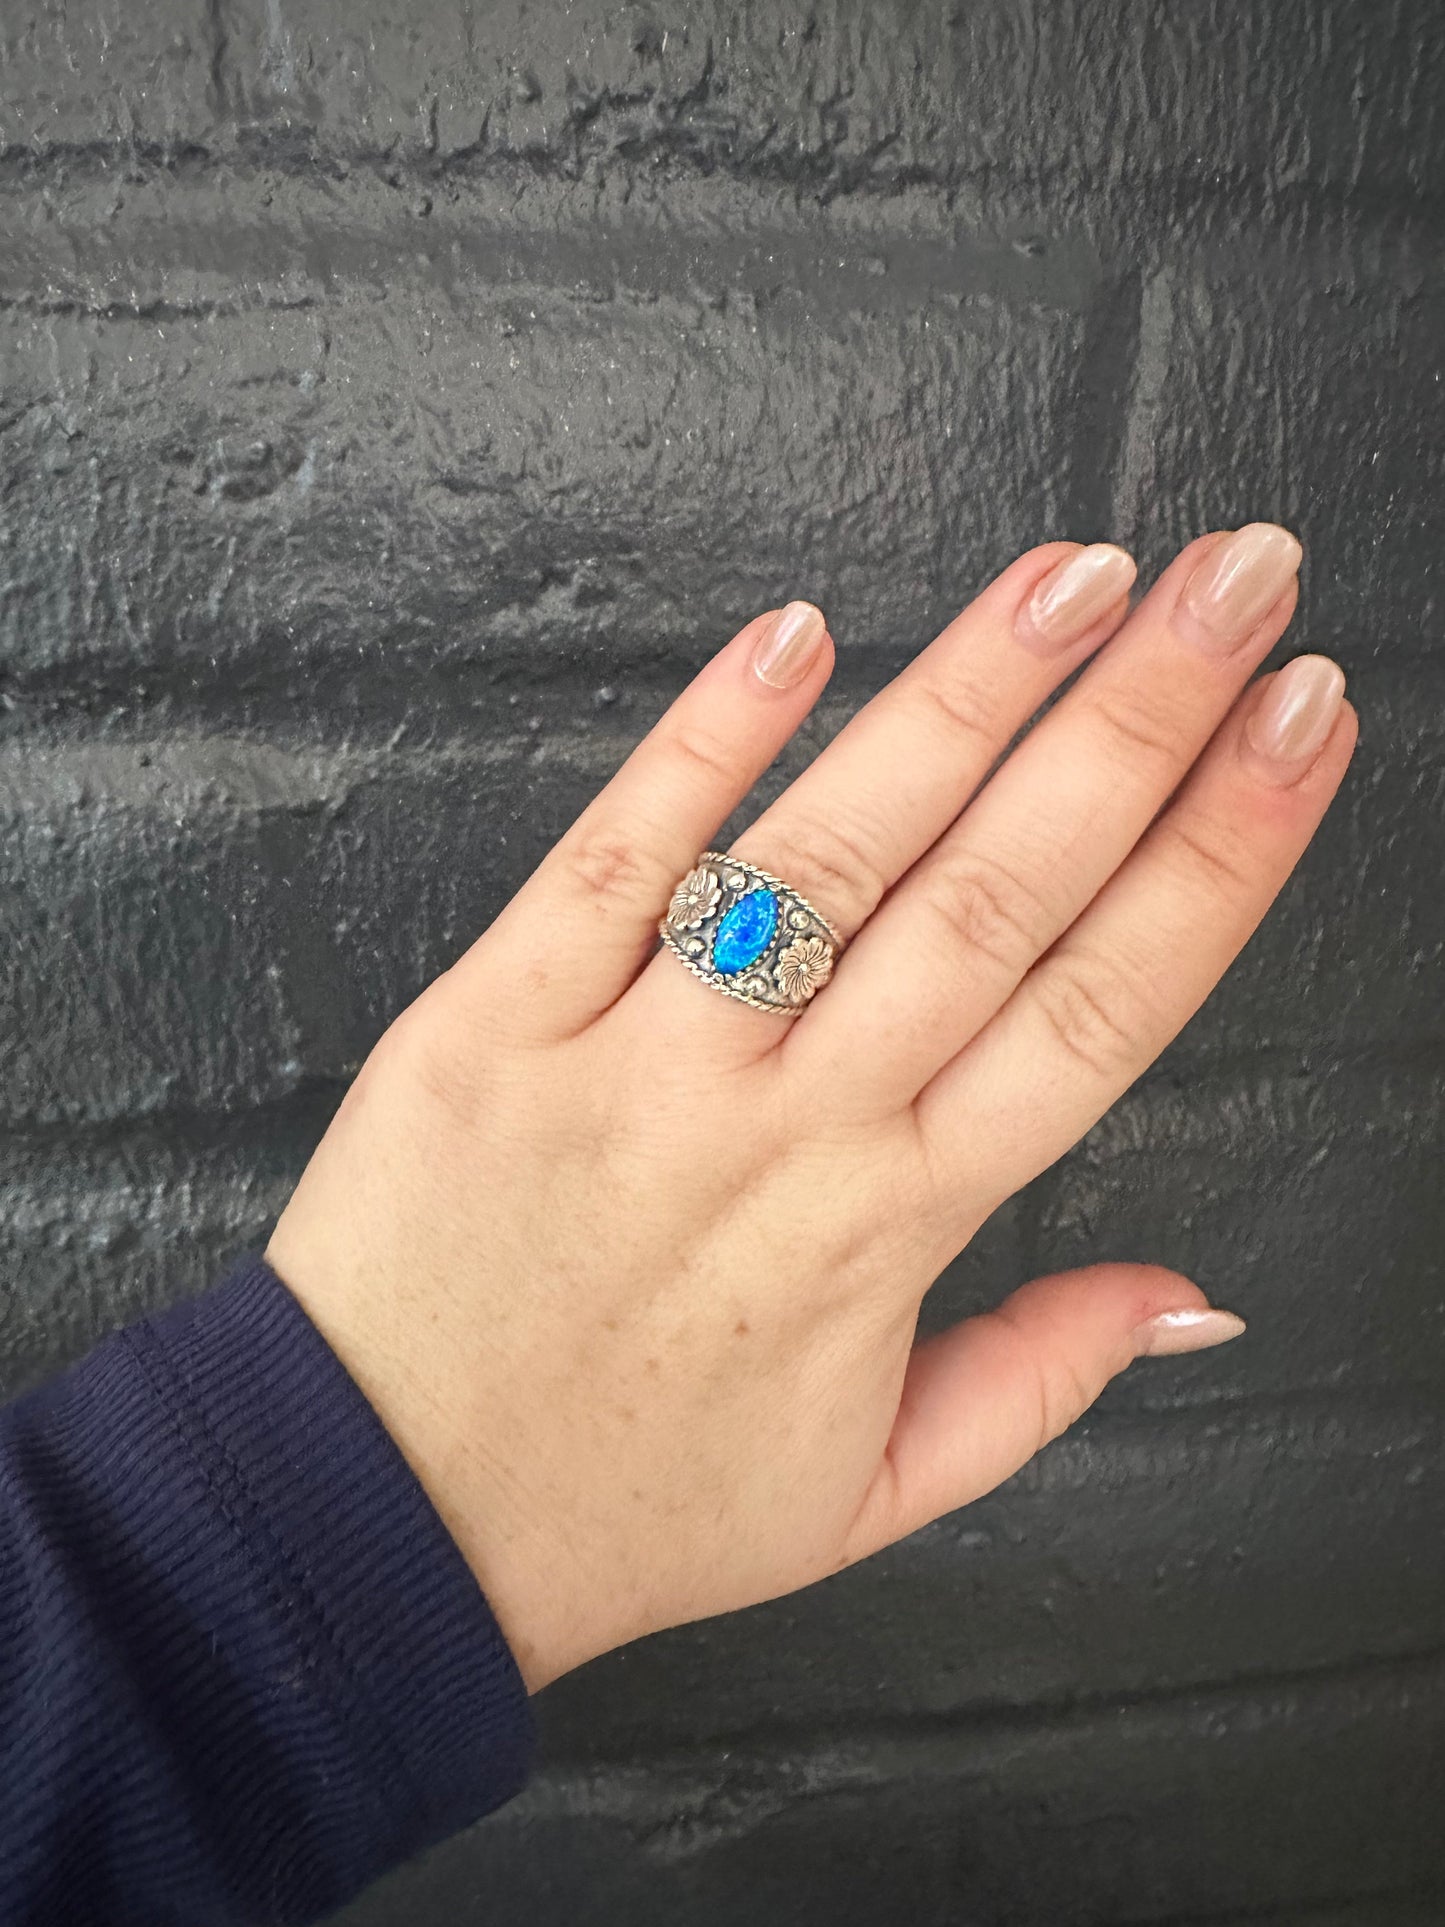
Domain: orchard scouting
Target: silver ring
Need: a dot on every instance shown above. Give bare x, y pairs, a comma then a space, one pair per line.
749, 935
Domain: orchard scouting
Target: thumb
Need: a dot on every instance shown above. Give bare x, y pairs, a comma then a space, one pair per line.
980, 1399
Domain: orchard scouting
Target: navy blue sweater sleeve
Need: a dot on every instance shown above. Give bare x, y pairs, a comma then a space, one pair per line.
243, 1667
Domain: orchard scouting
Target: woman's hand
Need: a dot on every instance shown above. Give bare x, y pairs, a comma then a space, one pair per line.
631, 1271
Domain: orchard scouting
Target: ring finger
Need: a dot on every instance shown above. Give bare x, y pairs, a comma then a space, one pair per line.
895, 778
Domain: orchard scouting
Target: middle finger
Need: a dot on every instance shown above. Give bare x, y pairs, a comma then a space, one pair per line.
1058, 818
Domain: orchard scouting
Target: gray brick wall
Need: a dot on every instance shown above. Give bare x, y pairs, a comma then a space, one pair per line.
397, 400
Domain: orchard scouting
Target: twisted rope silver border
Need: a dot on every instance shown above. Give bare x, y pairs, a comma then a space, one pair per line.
788, 899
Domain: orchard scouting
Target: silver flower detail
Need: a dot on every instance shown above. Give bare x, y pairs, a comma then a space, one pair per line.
805, 966
694, 899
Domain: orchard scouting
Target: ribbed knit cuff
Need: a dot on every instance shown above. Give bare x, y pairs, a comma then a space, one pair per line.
388, 1622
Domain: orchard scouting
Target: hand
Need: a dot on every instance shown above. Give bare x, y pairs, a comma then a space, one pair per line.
631, 1271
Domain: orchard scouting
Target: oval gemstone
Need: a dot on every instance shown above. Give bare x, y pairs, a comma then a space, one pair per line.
745, 932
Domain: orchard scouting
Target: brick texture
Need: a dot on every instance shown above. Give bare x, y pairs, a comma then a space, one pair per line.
397, 400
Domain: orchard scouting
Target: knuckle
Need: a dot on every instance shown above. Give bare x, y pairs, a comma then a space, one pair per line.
1095, 1012
831, 861
990, 911
1065, 1393
1211, 853
604, 865
703, 755
1141, 724
1055, 1386
965, 711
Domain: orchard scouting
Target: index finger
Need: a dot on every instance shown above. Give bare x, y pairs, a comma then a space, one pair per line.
1100, 1006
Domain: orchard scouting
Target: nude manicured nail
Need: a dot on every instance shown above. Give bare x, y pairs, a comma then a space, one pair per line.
1294, 714
1236, 585
786, 649
1071, 598
1185, 1331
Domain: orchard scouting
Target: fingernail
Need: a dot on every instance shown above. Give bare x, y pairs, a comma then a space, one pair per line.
787, 649
1185, 1331
1236, 585
1071, 598
1293, 716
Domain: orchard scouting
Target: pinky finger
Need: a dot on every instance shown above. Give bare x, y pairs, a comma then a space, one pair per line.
576, 934
1100, 1006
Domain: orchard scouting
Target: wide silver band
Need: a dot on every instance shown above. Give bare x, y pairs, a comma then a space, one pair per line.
749, 935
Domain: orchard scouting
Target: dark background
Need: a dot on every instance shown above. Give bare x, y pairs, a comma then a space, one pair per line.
400, 399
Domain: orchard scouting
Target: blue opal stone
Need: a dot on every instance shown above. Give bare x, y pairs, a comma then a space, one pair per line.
745, 932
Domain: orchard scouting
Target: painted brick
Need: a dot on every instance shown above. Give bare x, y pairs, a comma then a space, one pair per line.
274, 910
396, 402
100, 1225
839, 95
1238, 1185
1136, 1556
78, 81
144, 877
1202, 1809
257, 519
